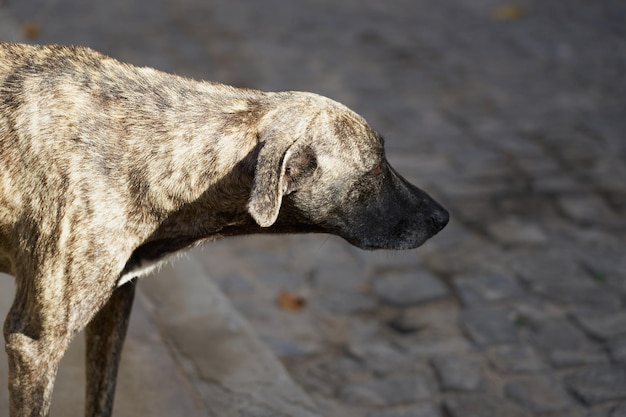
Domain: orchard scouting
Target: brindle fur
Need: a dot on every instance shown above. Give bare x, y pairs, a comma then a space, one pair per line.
107, 168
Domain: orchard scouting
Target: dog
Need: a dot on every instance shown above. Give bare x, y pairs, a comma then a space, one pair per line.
108, 169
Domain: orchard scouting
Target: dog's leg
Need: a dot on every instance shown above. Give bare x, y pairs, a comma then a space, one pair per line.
35, 343
104, 337
48, 310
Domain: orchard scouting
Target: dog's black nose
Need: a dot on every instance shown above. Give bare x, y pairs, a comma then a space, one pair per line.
440, 218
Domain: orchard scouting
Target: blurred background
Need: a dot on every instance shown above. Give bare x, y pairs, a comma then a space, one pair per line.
512, 114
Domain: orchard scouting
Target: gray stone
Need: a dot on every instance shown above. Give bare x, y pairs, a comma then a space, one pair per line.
587, 209
379, 355
603, 255
404, 289
602, 325
577, 411
515, 359
290, 348
343, 277
392, 390
514, 231
537, 394
235, 284
422, 410
534, 309
617, 347
481, 406
344, 302
619, 410
571, 295
555, 184
603, 410
383, 258
473, 253
569, 358
564, 344
558, 277
598, 384
537, 267
280, 279
477, 290
324, 375
457, 373
361, 394
489, 325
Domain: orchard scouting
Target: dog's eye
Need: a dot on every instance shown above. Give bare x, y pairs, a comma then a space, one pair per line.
378, 169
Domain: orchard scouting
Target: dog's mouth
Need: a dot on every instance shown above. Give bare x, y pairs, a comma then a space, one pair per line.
399, 240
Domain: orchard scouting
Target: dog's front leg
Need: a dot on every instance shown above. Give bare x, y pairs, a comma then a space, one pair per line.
104, 338
48, 310
35, 343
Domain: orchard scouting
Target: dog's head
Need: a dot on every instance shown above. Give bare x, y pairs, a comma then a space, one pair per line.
320, 167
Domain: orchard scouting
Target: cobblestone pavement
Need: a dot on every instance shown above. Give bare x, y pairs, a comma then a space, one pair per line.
512, 115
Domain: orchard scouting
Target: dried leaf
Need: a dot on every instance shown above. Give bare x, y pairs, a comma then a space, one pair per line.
30, 30
290, 301
509, 11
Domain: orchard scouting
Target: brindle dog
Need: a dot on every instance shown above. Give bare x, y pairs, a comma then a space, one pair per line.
108, 168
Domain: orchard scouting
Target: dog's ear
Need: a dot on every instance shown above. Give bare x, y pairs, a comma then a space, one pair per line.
280, 170
300, 163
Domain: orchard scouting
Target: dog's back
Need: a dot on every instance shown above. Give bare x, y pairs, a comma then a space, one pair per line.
77, 130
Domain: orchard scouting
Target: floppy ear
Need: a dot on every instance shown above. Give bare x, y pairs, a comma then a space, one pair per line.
280, 169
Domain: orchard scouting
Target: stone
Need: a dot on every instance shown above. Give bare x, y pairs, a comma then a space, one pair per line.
598, 384
383, 258
619, 410
456, 373
344, 302
489, 325
571, 295
514, 231
342, 277
536, 267
555, 184
235, 284
288, 347
602, 326
564, 344
280, 279
490, 258
603, 410
537, 394
379, 355
587, 210
422, 410
617, 348
324, 374
477, 290
515, 359
558, 277
408, 288
481, 406
392, 390
361, 394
